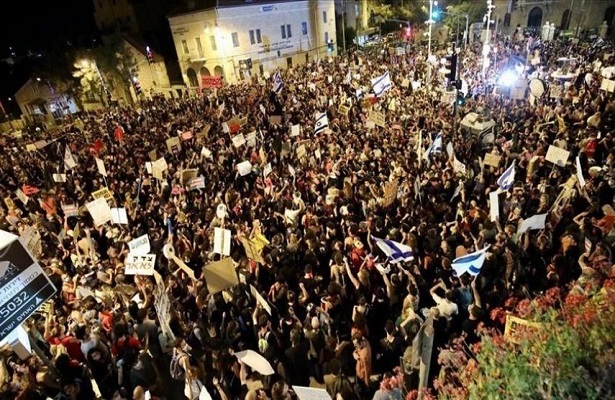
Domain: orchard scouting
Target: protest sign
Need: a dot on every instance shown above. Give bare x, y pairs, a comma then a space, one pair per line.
343, 109
492, 160
251, 250
309, 393
99, 211
301, 151
152, 155
187, 175
244, 168
516, 329
557, 156
59, 178
174, 145
390, 193
22, 196
494, 206
70, 210
139, 264
103, 193
251, 139
220, 275
377, 118
222, 241
101, 166
459, 167
139, 246
197, 183
119, 216
211, 82
260, 299
267, 170
238, 140
534, 222
294, 130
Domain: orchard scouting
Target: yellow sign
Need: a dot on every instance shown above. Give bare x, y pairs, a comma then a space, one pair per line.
9, 203
377, 118
492, 160
104, 193
516, 327
343, 109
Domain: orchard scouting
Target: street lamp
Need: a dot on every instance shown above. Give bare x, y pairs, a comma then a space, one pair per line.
486, 47
430, 22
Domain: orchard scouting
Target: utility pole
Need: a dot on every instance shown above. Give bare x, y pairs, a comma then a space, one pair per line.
344, 24
486, 49
430, 22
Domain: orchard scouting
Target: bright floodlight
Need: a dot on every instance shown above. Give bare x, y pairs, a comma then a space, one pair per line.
508, 78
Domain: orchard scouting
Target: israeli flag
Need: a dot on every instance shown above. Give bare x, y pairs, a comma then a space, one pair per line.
396, 252
507, 179
277, 82
436, 146
322, 123
470, 263
381, 84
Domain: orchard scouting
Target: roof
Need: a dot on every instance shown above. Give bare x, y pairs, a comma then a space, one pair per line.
193, 6
140, 46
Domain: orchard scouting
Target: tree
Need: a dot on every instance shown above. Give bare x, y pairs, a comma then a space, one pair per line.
89, 78
474, 9
569, 355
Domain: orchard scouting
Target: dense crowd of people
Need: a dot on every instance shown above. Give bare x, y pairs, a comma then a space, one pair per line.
337, 313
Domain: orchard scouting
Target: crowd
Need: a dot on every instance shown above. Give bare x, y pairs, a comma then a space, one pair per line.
337, 313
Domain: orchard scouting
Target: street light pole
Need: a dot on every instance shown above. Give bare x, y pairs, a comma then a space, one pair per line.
430, 22
490, 7
344, 24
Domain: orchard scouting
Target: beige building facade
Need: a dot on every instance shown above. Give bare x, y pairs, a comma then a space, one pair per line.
238, 40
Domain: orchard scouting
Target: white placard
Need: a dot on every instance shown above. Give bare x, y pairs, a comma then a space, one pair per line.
205, 152
22, 196
244, 168
450, 150
238, 140
260, 299
580, 172
148, 167
139, 246
291, 170
251, 139
59, 178
221, 211
100, 211
494, 206
267, 170
222, 241
535, 222
294, 130
101, 167
459, 167
69, 160
119, 216
308, 393
70, 210
139, 264
557, 156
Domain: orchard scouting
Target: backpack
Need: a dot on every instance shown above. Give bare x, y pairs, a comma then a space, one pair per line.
175, 369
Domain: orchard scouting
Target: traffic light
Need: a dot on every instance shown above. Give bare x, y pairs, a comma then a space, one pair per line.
407, 33
435, 15
451, 66
330, 46
150, 55
137, 86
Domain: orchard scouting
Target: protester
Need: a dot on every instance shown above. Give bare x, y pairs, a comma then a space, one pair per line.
348, 238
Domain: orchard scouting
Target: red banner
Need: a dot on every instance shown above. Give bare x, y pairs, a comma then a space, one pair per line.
210, 82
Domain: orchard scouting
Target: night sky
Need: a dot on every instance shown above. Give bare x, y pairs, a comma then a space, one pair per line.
35, 25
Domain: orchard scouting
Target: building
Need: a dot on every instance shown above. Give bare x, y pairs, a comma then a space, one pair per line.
149, 67
237, 39
357, 16
566, 15
40, 102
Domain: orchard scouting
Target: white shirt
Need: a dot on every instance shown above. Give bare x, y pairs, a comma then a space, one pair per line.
447, 308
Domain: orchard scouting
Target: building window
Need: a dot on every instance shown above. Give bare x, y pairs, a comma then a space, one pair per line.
259, 39
212, 41
199, 46
235, 37
283, 29
327, 37
252, 39
304, 28
324, 17
288, 31
289, 62
261, 70
185, 47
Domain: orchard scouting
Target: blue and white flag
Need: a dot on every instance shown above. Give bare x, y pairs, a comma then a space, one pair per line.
436, 146
381, 84
322, 123
470, 263
277, 82
396, 252
507, 180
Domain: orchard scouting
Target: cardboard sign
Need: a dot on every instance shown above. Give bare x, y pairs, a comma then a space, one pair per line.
101, 167
459, 167
494, 206
244, 168
533, 223
557, 156
222, 241
59, 178
103, 193
343, 109
70, 210
260, 299
390, 193
378, 119
197, 183
267, 170
140, 264
251, 139
492, 160
220, 275
405, 83
99, 211
139, 246
301, 151
22, 196
516, 329
119, 216
294, 130
187, 175
275, 119
238, 140
252, 251
152, 155
174, 144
